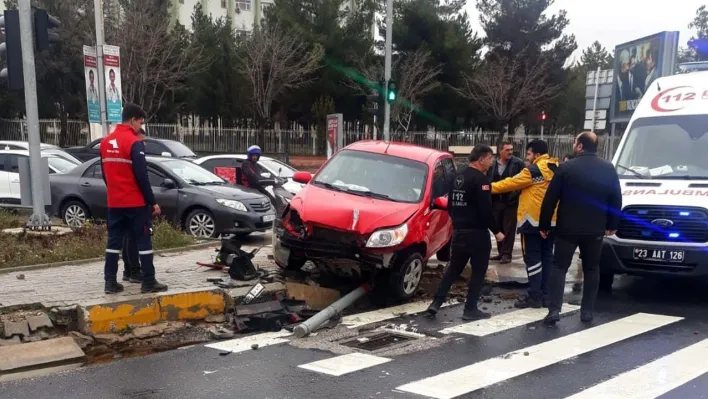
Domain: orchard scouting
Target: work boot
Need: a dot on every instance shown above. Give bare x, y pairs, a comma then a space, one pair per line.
153, 287
528, 302
586, 316
133, 278
475, 314
505, 259
577, 287
552, 317
434, 307
496, 258
113, 287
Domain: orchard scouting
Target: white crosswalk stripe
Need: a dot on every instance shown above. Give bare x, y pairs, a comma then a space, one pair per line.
492, 371
504, 321
345, 364
653, 379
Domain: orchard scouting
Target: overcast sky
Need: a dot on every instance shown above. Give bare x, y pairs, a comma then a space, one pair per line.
613, 22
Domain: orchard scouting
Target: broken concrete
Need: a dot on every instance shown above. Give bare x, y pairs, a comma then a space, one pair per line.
39, 321
17, 361
316, 298
82, 340
16, 328
10, 341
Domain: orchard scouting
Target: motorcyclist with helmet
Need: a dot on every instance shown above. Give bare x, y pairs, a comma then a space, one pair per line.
252, 171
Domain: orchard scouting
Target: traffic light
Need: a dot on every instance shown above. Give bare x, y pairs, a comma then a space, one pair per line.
11, 50
44, 29
543, 115
391, 93
372, 101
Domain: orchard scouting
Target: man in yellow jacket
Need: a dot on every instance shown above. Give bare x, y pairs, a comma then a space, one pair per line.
538, 252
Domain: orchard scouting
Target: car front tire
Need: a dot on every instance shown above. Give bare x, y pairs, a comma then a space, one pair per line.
75, 214
200, 223
402, 281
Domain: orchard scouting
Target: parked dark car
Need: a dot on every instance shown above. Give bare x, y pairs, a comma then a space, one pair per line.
153, 146
204, 204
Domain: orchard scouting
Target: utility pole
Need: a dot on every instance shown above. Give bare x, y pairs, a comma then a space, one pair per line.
39, 218
387, 69
98, 15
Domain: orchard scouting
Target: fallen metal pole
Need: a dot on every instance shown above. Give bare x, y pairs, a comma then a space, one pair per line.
316, 321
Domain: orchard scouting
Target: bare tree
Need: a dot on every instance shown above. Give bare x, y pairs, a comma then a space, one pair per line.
508, 87
274, 62
156, 55
414, 76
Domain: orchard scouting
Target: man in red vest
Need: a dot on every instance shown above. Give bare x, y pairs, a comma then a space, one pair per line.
130, 199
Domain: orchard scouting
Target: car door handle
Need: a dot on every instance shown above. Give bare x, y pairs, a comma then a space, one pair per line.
85, 184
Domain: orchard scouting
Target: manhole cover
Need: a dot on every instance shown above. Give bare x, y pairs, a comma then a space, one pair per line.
378, 341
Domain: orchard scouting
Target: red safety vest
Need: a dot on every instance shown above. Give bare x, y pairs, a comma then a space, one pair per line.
121, 186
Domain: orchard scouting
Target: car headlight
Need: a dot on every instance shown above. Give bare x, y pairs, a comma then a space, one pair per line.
387, 237
233, 204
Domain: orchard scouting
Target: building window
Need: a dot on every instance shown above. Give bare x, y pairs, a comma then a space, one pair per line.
243, 5
223, 3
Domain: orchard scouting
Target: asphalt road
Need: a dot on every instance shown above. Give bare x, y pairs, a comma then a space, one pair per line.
636, 348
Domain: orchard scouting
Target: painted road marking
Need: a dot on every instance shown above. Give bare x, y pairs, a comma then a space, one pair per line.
492, 371
345, 364
504, 321
653, 379
362, 319
243, 344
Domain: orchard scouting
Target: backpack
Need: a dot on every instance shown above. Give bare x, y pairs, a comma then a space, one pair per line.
240, 262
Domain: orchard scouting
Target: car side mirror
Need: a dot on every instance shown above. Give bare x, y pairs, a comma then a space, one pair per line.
440, 203
166, 154
169, 184
302, 177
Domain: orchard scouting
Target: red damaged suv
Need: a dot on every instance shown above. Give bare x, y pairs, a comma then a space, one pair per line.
374, 211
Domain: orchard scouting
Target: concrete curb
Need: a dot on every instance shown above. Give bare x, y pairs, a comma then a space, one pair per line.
120, 316
80, 262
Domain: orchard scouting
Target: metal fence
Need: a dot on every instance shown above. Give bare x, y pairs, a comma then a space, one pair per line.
298, 141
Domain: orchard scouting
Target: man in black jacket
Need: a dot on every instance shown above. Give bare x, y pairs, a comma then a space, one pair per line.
470, 208
587, 191
505, 205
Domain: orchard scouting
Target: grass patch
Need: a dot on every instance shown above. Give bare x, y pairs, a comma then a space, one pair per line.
85, 243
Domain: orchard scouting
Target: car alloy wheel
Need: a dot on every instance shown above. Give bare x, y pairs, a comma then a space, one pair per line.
412, 276
201, 225
75, 216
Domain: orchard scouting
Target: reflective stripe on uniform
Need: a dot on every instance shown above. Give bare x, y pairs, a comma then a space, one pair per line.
112, 251
118, 160
534, 267
149, 252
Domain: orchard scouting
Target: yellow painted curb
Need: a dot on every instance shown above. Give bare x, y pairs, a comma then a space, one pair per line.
121, 316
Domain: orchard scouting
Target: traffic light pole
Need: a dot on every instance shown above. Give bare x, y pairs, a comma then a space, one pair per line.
98, 15
39, 218
387, 69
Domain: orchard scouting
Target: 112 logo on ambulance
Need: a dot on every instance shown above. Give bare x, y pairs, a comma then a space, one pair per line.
677, 98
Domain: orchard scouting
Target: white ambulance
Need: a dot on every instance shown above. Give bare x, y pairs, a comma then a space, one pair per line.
662, 161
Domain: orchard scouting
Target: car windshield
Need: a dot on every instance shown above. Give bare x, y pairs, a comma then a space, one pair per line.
178, 149
374, 175
59, 164
192, 173
671, 147
273, 165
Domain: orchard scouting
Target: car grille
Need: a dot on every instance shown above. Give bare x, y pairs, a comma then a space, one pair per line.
331, 236
664, 223
261, 206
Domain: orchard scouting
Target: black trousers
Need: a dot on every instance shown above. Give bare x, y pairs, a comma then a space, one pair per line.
467, 245
590, 252
135, 222
131, 259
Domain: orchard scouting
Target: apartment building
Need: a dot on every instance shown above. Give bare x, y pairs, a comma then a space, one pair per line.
244, 13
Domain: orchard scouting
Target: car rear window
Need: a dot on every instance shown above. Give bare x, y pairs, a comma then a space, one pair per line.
376, 175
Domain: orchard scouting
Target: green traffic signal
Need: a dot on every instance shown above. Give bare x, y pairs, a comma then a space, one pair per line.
391, 92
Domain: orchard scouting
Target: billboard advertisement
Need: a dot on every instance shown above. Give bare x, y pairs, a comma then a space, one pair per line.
637, 64
114, 96
91, 77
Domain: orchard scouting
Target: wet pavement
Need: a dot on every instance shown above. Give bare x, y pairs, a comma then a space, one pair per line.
649, 339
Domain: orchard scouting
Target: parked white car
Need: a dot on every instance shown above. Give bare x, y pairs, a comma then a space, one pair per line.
46, 148
10, 171
233, 161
